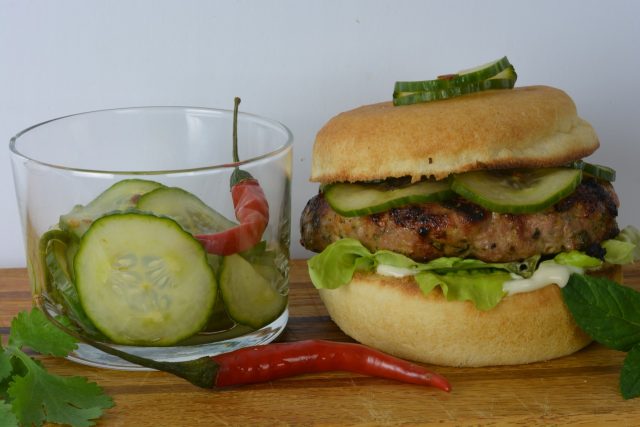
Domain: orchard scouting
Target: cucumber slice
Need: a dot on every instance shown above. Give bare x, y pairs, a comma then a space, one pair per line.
63, 290
407, 98
461, 78
517, 190
143, 280
120, 196
45, 240
601, 172
185, 208
365, 199
250, 298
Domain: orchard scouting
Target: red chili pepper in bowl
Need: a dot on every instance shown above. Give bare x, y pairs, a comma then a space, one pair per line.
250, 205
252, 210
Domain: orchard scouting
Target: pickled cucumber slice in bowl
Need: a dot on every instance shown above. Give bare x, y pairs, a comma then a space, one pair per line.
143, 280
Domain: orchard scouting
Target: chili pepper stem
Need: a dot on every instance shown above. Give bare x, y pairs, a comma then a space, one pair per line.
200, 372
236, 103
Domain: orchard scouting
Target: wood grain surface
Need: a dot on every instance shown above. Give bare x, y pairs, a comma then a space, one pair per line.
581, 389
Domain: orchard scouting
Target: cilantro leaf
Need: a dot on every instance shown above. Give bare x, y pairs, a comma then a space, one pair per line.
630, 374
607, 311
39, 396
7, 418
32, 329
5, 366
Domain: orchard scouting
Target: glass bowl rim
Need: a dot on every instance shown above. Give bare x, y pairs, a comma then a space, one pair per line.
253, 117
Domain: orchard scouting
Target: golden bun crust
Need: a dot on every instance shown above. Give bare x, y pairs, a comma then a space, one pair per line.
532, 126
394, 316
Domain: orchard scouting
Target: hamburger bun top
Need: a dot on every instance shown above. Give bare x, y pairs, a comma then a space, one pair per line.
532, 126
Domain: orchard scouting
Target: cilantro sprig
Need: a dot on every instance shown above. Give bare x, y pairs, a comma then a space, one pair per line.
29, 395
610, 314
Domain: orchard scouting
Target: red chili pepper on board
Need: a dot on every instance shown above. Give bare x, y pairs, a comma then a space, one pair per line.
250, 205
273, 361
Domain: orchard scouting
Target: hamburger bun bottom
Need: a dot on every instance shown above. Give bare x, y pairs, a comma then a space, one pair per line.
394, 316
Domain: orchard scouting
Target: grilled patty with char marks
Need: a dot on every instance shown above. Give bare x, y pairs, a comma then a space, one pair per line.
459, 228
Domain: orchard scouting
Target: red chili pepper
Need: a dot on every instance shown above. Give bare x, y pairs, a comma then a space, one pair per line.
250, 205
270, 362
252, 210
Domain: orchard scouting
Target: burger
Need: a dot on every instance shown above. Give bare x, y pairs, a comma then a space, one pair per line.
445, 230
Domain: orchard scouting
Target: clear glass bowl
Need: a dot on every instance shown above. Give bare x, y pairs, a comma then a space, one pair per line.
71, 160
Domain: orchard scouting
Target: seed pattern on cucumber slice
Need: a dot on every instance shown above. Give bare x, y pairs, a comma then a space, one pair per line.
515, 190
143, 280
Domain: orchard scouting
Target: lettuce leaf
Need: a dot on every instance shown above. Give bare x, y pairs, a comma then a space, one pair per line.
484, 289
335, 266
577, 259
624, 248
460, 279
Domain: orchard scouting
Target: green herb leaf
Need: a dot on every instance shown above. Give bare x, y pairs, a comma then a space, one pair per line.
607, 311
5, 366
630, 374
7, 417
34, 395
35, 331
39, 396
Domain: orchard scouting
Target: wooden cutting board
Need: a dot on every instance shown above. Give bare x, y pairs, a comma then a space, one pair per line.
578, 389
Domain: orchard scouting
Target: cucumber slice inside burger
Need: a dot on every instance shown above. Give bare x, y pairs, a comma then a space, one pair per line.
517, 190
365, 199
143, 280
598, 171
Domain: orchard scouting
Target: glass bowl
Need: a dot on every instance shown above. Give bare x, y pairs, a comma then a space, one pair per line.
118, 208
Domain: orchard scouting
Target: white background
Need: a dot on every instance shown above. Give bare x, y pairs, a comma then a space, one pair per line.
301, 62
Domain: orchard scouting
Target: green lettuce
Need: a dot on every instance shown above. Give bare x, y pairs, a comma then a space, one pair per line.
624, 248
484, 289
577, 259
460, 279
335, 266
